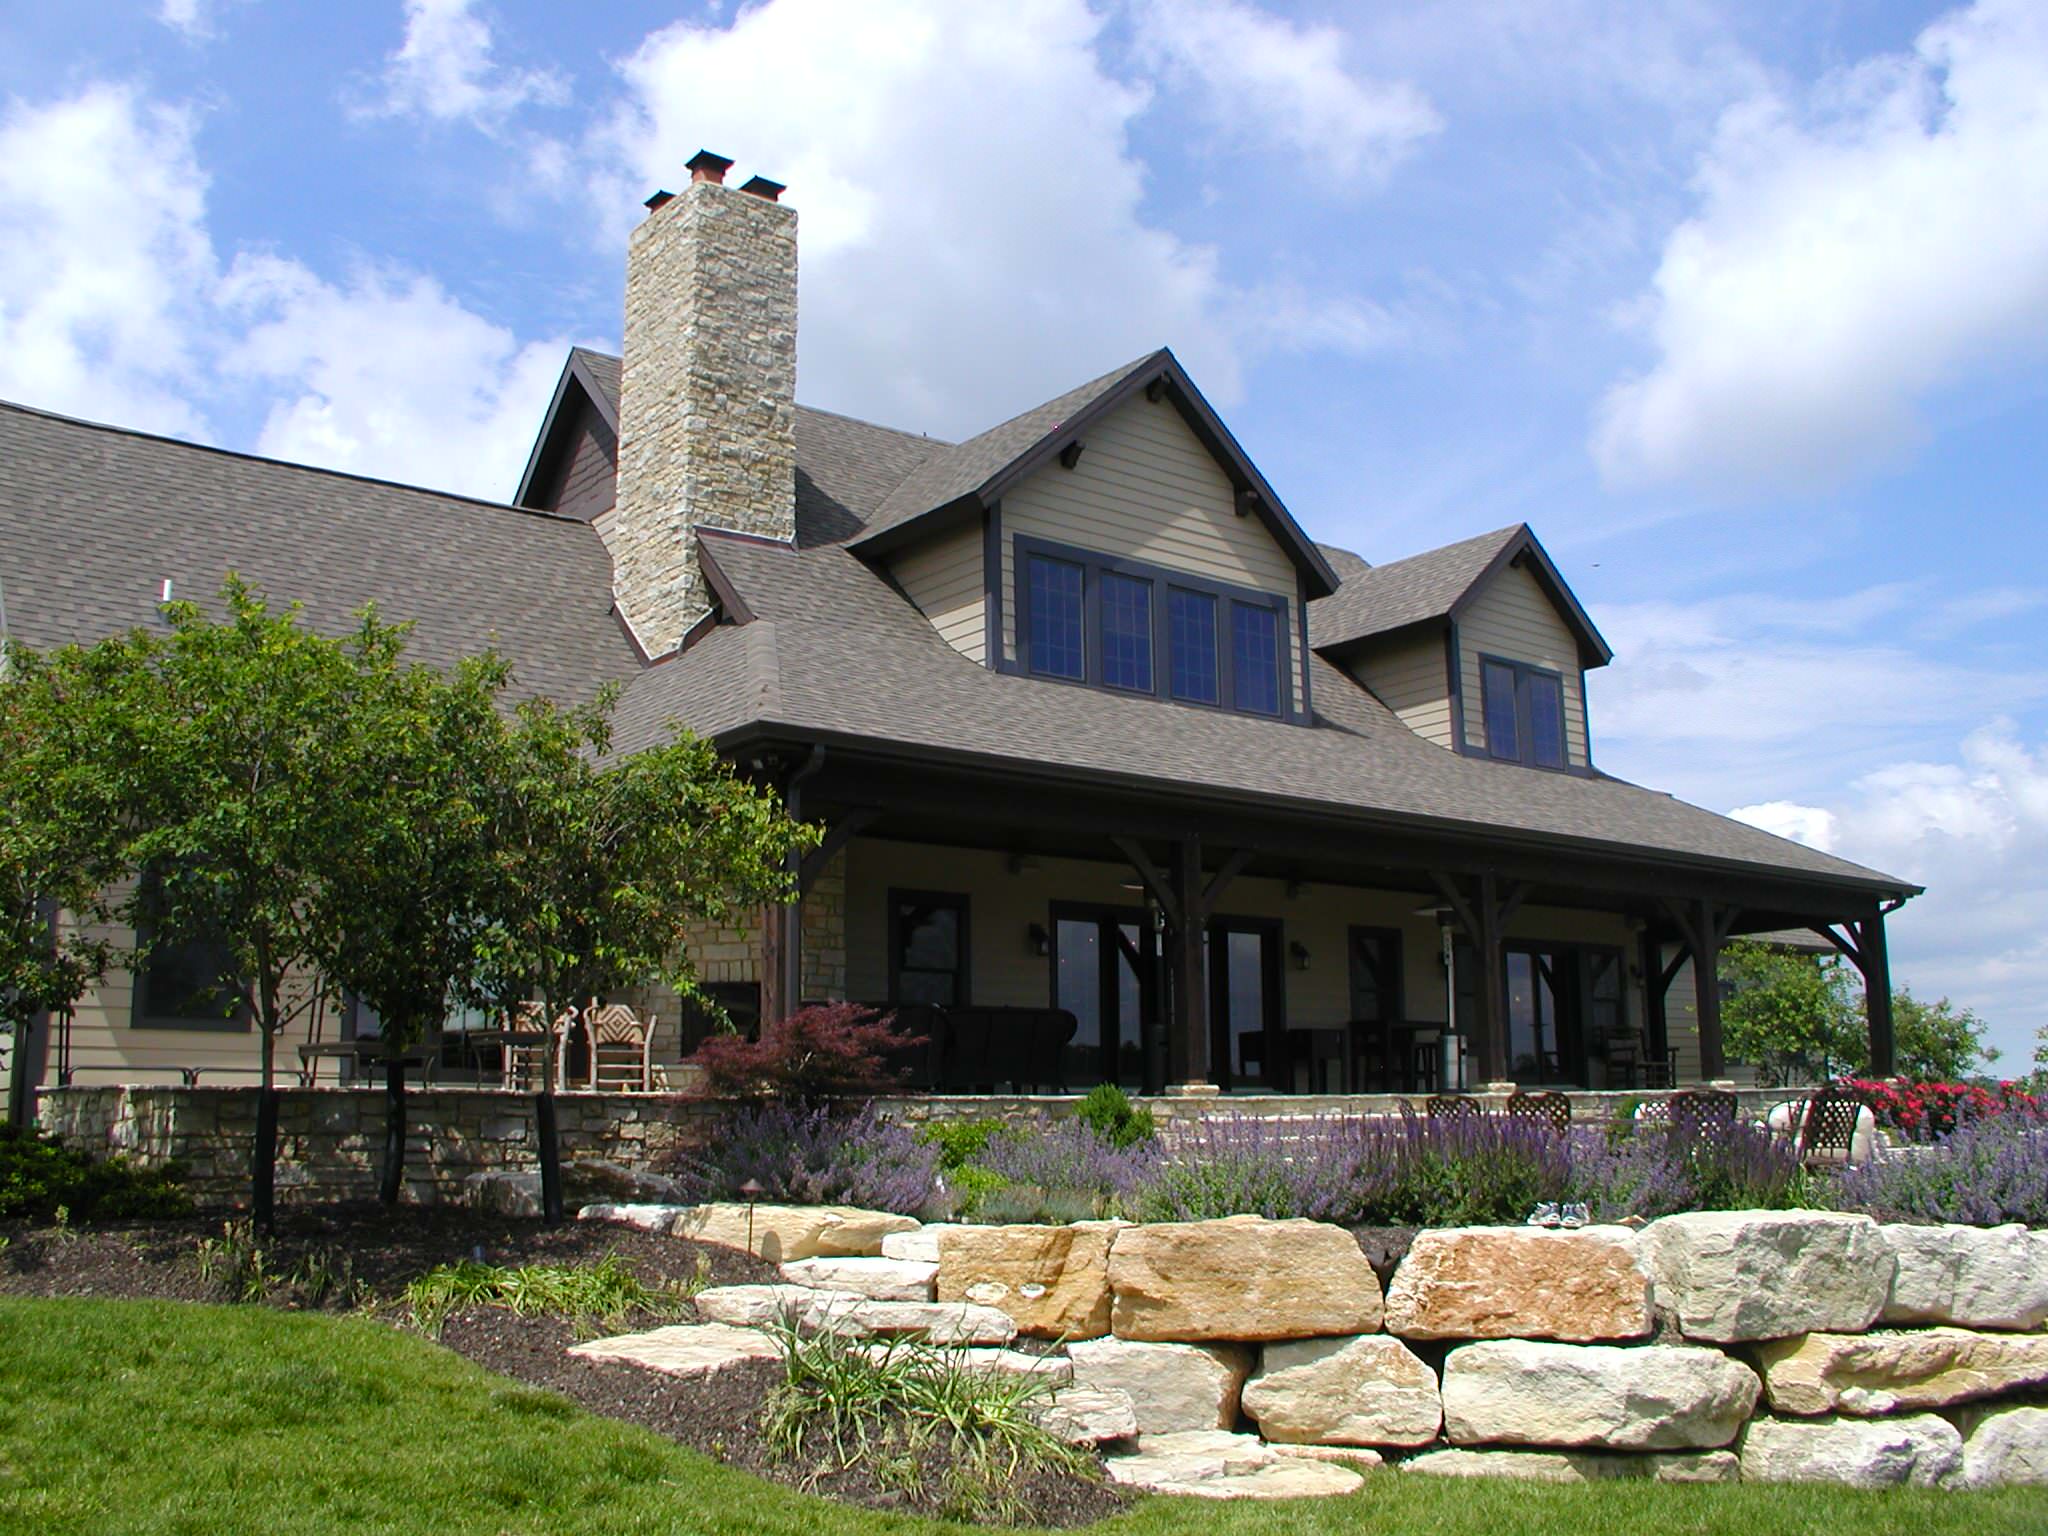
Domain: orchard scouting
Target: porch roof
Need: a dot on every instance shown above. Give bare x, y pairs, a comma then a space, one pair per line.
832, 652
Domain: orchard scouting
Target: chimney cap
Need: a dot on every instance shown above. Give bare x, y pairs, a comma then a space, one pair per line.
705, 166
761, 186
659, 199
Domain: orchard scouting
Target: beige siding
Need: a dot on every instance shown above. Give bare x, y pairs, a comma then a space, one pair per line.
1145, 488
1412, 680
943, 577
1513, 619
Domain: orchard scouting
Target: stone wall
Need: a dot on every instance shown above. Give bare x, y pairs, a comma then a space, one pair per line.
1719, 1347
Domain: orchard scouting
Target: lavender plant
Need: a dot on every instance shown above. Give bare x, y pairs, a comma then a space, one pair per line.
817, 1156
1985, 1172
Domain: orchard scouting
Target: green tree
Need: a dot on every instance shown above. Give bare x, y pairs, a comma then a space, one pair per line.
2041, 1059
62, 849
1794, 1017
602, 865
1937, 1041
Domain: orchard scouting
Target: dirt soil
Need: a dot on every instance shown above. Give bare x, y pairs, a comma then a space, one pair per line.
367, 1255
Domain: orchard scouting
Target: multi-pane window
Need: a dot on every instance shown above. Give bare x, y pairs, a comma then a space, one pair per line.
1191, 640
1057, 646
1524, 712
928, 948
184, 985
1114, 623
1126, 632
1255, 658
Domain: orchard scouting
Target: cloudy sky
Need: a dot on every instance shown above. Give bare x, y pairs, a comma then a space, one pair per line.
1743, 307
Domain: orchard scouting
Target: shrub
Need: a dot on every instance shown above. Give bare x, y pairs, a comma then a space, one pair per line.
1108, 1112
1922, 1111
960, 1142
812, 1156
1985, 1172
39, 1177
1230, 1165
826, 1051
1068, 1159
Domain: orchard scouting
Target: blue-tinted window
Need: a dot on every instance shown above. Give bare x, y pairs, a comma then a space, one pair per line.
1055, 618
1191, 632
1126, 632
1255, 658
1546, 720
1503, 737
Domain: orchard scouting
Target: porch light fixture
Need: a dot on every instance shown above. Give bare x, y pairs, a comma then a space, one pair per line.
1298, 953
1039, 940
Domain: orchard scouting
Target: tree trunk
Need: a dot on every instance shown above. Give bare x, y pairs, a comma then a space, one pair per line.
263, 1156
393, 1176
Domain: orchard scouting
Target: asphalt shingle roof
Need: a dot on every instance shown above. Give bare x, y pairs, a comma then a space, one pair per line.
1380, 598
93, 519
834, 649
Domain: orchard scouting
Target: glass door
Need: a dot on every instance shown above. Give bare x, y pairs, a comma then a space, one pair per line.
1532, 1015
1102, 959
1246, 1013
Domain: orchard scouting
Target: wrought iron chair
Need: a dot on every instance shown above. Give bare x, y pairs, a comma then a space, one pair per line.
1554, 1109
1827, 1128
621, 1048
1453, 1106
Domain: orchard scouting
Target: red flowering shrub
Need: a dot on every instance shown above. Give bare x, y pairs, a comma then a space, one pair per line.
826, 1051
1923, 1111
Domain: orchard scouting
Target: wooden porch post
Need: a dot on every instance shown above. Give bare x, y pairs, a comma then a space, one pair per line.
1490, 995
1187, 1040
1877, 996
1706, 985
778, 990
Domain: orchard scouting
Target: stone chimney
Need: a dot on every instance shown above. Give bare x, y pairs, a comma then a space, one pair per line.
707, 407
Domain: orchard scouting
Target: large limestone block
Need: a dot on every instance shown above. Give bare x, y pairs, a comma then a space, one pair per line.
1870, 1373
1973, 1277
876, 1279
648, 1218
1730, 1276
783, 1233
687, 1349
921, 1244
1582, 1286
1088, 1415
1172, 1386
1241, 1278
1581, 1466
1523, 1392
2005, 1447
1368, 1390
1919, 1449
1214, 1464
1053, 1280
816, 1311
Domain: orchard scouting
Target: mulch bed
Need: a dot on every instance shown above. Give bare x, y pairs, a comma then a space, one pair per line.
719, 1416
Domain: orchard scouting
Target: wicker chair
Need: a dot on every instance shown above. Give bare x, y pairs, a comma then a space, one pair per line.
1553, 1109
1453, 1106
621, 1048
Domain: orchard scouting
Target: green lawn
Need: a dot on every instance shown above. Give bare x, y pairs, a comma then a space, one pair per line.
146, 1417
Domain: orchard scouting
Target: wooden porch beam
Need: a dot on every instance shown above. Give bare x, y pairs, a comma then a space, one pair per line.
1233, 866
1162, 889
843, 831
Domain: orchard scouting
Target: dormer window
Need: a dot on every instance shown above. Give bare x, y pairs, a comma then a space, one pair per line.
1524, 708
1118, 624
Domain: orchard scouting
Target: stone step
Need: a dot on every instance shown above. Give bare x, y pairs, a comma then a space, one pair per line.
877, 1279
685, 1349
1217, 1464
816, 1311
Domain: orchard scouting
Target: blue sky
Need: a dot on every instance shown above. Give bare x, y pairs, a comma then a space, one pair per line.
1743, 307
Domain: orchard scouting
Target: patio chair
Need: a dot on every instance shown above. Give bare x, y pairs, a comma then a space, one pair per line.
528, 1063
621, 1048
1702, 1116
1453, 1106
1827, 1128
1552, 1109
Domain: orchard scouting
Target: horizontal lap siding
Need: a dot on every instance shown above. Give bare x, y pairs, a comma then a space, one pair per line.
1145, 488
943, 576
1412, 679
1513, 619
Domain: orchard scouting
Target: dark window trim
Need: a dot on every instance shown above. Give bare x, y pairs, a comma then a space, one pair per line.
1093, 563
1525, 743
964, 982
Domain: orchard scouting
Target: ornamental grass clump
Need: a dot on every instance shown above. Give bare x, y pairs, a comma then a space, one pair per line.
900, 1407
604, 1292
1986, 1172
827, 1155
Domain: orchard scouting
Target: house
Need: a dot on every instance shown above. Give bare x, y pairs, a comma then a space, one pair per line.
1091, 722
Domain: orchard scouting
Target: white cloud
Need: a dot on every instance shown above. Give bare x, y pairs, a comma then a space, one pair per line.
1974, 830
1282, 84
114, 306
359, 369
1856, 251
444, 69
104, 258
967, 191
194, 18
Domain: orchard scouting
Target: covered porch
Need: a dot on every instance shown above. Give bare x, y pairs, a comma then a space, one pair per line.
1067, 934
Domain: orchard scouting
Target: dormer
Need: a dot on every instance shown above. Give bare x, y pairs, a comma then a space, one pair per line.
1479, 647
1114, 538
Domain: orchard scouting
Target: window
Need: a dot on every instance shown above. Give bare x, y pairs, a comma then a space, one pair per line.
927, 948
1055, 618
1255, 658
1126, 632
1113, 623
186, 986
1191, 642
1524, 711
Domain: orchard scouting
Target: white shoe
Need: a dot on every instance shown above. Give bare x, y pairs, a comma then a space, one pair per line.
1545, 1215
1574, 1216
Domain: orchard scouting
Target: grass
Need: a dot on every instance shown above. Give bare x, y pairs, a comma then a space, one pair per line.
604, 1292
161, 1419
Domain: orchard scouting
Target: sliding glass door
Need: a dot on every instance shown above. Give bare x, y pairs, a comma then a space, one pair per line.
1103, 970
1247, 1017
